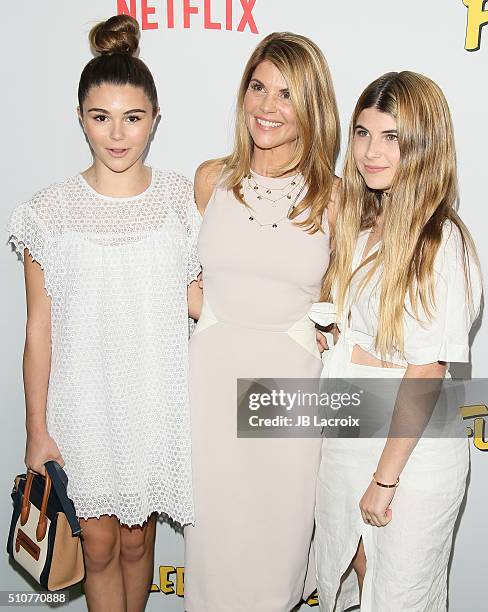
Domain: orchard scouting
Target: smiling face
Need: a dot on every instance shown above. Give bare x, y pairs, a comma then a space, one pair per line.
375, 148
118, 120
269, 113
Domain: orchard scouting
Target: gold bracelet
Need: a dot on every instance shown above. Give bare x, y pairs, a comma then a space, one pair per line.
386, 486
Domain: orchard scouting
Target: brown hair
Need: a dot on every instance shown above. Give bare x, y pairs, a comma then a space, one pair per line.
116, 41
422, 199
307, 74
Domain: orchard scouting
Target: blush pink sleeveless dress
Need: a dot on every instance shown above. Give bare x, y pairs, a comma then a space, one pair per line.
248, 550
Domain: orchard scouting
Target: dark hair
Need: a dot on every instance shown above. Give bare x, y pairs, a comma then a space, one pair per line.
116, 41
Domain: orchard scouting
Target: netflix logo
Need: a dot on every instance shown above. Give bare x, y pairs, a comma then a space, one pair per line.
234, 15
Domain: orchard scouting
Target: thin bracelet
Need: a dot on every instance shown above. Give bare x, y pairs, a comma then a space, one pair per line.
386, 486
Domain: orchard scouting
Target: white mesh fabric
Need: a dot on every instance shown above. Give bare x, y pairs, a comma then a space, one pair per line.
117, 271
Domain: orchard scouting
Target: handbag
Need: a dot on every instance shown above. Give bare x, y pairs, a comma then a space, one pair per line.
44, 536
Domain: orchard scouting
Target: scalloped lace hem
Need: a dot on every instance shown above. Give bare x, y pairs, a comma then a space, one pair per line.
135, 521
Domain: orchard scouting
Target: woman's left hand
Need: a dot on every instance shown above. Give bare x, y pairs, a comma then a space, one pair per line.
375, 505
321, 342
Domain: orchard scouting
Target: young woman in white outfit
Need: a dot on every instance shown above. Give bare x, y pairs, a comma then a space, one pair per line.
405, 284
108, 257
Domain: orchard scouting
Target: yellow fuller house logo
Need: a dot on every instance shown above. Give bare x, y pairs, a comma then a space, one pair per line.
171, 581
477, 19
478, 428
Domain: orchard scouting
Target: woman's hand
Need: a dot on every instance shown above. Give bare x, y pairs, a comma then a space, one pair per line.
195, 298
375, 505
39, 448
321, 341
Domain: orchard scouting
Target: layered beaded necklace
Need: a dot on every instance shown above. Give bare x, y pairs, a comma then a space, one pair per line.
275, 195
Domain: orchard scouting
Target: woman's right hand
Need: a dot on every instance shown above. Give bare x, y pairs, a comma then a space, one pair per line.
39, 448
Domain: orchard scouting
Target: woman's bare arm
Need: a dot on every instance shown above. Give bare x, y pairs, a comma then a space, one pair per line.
374, 504
206, 178
398, 450
40, 447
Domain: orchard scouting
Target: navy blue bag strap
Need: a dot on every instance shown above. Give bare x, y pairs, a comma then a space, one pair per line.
59, 482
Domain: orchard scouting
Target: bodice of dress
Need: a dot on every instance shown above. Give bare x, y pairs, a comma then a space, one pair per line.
260, 277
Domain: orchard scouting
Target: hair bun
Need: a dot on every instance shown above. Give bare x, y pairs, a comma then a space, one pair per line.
119, 34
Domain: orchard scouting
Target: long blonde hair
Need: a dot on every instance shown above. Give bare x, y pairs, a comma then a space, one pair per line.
307, 74
422, 198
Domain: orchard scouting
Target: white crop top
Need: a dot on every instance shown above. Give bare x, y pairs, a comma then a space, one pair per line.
445, 337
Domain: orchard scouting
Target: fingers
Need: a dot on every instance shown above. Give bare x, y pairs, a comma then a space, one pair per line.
321, 342
37, 468
375, 519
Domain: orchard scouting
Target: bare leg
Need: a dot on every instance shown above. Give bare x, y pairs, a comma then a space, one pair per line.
359, 565
104, 585
137, 562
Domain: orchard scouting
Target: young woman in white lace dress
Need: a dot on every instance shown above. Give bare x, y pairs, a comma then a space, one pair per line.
109, 255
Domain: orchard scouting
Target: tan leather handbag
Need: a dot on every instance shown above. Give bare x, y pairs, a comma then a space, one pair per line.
44, 535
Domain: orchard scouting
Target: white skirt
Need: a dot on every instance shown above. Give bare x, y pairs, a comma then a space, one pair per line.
407, 560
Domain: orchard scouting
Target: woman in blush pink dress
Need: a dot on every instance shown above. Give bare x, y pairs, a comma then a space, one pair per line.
264, 245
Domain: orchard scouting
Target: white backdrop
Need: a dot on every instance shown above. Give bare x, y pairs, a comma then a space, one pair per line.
197, 71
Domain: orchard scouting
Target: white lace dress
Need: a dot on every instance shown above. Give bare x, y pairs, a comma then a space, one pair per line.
117, 271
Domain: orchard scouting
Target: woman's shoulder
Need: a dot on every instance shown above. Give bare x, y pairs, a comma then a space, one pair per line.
454, 244
206, 178
50, 198
210, 170
457, 257
170, 178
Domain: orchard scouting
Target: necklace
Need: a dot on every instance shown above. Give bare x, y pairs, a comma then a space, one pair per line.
273, 224
267, 193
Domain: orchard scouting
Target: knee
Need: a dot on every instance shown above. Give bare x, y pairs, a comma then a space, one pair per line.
135, 544
100, 549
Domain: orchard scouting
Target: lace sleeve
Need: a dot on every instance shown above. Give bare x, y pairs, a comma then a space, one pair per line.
27, 231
